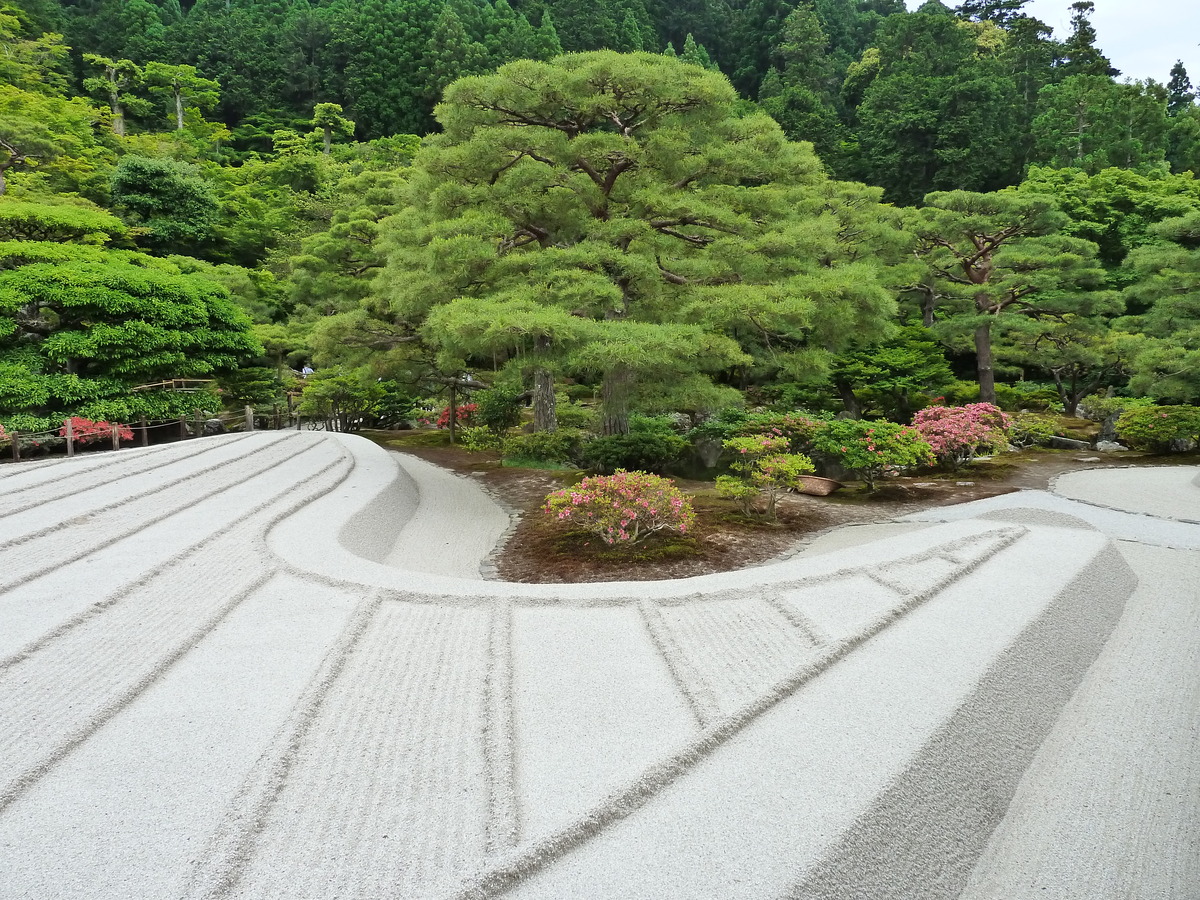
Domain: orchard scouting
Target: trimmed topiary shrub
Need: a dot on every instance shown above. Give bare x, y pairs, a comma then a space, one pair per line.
871, 448
498, 408
572, 415
622, 508
1156, 428
474, 438
1031, 430
651, 446
561, 446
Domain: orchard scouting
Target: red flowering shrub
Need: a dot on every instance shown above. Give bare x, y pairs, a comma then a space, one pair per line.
958, 433
86, 431
623, 508
464, 414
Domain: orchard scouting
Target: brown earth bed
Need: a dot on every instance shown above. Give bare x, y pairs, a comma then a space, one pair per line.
540, 551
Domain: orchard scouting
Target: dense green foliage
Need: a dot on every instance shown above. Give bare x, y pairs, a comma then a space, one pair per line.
835, 205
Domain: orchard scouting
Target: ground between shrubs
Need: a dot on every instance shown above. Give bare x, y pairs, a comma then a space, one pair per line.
540, 551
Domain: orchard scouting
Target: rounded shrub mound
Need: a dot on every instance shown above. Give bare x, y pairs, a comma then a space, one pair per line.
622, 508
957, 433
1158, 428
561, 446
871, 448
650, 446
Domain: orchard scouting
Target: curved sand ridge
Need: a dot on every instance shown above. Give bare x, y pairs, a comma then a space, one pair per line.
265, 666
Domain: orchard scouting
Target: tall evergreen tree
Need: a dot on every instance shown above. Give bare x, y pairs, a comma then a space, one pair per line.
1090, 122
1004, 262
1002, 12
1180, 95
1080, 55
378, 47
542, 221
450, 53
939, 110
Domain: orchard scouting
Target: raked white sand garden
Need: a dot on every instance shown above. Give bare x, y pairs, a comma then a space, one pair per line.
268, 666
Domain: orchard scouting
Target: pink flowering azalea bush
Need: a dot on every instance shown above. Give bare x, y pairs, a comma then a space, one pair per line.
872, 449
958, 433
87, 431
623, 508
766, 469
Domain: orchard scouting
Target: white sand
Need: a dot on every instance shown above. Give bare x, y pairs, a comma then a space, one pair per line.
266, 666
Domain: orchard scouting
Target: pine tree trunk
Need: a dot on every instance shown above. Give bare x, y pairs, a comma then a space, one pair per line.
453, 422
118, 120
983, 356
929, 302
849, 400
614, 400
544, 416
178, 110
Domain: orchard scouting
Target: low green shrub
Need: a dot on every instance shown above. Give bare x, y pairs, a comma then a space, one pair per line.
498, 408
1155, 428
1008, 396
1029, 429
571, 414
561, 446
645, 451
1100, 409
475, 438
1034, 395
871, 448
796, 426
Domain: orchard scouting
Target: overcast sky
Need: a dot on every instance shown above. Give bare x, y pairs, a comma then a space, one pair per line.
1143, 38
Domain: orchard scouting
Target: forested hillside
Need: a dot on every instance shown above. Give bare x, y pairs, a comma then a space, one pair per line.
833, 204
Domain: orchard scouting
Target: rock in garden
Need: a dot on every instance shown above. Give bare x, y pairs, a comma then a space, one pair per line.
1065, 443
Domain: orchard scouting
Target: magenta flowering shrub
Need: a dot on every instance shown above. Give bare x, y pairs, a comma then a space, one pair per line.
958, 433
87, 431
623, 508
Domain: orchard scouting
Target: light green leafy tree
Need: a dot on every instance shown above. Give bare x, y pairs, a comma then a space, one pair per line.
120, 83
51, 142
1001, 258
82, 325
330, 123
657, 232
1165, 296
183, 86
